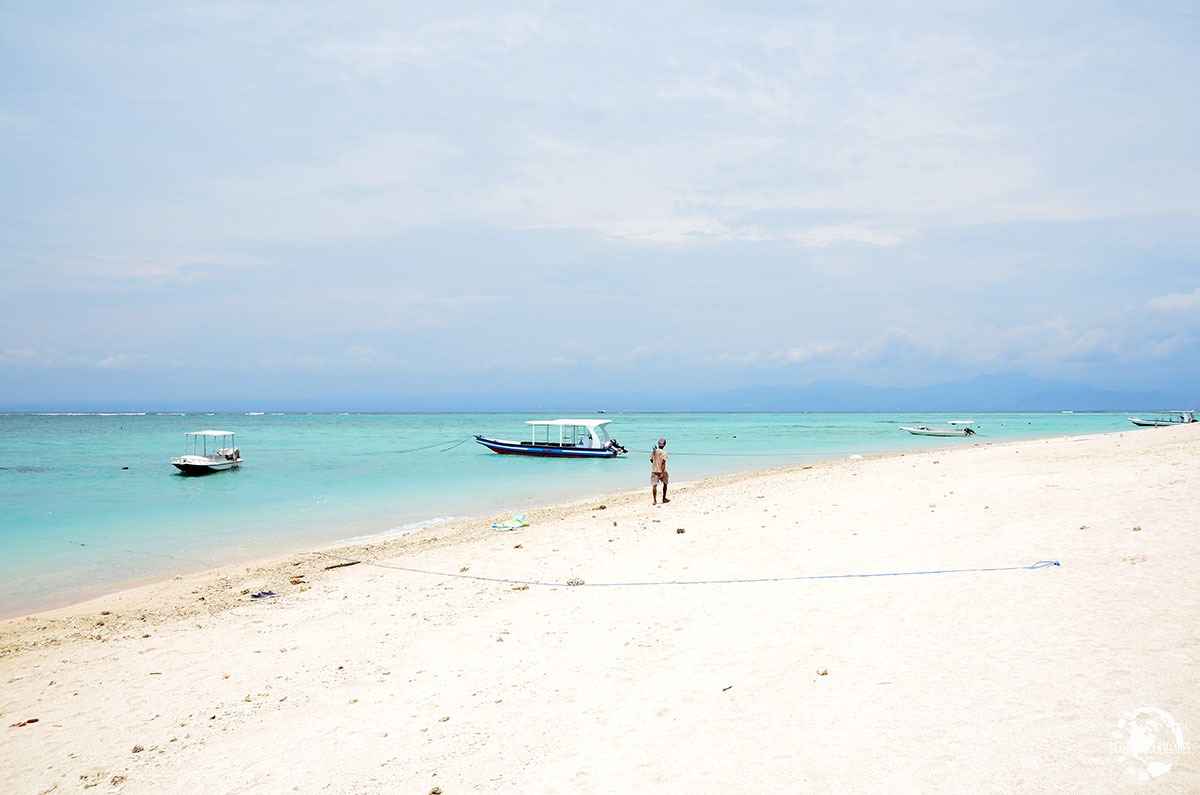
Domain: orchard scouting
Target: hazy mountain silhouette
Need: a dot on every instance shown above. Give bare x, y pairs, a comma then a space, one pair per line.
999, 392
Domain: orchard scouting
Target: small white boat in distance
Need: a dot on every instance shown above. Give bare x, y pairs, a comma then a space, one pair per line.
1168, 418
207, 451
925, 430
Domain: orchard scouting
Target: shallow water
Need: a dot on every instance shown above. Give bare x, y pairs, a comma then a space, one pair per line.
90, 501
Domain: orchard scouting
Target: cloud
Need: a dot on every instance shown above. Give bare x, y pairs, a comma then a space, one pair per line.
826, 236
367, 357
22, 356
123, 361
29, 357
1172, 347
730, 358
799, 354
810, 351
1175, 302
639, 354
433, 44
893, 345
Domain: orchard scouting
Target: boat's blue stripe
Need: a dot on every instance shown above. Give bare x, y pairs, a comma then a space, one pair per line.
544, 451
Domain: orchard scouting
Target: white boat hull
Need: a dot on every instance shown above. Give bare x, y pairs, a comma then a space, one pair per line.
1155, 423
203, 464
938, 431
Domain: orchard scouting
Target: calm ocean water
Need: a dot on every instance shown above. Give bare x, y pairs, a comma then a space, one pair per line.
75, 522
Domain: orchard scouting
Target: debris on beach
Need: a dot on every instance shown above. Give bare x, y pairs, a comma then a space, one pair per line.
263, 595
679, 530
25, 722
575, 581
342, 565
1137, 527
823, 672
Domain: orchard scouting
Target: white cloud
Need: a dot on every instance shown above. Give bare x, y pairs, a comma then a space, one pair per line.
1172, 347
29, 357
826, 236
101, 272
367, 357
810, 351
21, 356
893, 345
1175, 302
123, 361
429, 45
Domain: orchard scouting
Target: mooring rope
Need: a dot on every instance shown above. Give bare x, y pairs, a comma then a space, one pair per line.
1041, 564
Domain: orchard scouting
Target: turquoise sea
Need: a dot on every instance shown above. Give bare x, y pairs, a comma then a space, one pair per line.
90, 502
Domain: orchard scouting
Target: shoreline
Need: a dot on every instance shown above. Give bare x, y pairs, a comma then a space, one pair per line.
383, 545
408, 675
387, 542
139, 555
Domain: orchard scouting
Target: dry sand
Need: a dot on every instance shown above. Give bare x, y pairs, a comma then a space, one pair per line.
379, 678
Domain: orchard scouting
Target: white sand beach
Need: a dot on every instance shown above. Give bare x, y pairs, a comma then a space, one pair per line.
403, 673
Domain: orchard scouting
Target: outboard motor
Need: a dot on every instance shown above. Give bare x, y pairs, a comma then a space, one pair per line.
616, 447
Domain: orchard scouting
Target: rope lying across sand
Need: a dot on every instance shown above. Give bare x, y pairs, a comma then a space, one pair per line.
1041, 564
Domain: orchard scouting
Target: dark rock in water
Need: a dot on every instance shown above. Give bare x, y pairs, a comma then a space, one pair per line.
124, 467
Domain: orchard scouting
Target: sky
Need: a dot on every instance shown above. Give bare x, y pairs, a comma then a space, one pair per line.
401, 202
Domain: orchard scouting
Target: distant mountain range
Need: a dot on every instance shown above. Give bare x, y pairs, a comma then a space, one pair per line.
1000, 392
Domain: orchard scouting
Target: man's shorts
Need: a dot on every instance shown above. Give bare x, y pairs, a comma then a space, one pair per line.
658, 477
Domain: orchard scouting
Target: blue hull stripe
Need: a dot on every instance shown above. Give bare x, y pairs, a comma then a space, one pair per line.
550, 452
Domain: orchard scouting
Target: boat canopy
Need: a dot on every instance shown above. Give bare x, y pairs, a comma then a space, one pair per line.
581, 433
196, 442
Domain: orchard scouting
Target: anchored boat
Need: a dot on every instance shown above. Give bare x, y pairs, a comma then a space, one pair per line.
925, 430
199, 459
564, 438
1170, 418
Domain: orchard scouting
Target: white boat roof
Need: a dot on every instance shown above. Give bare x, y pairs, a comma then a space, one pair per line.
209, 433
589, 423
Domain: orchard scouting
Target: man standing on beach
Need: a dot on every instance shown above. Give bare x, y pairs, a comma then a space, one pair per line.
658, 470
